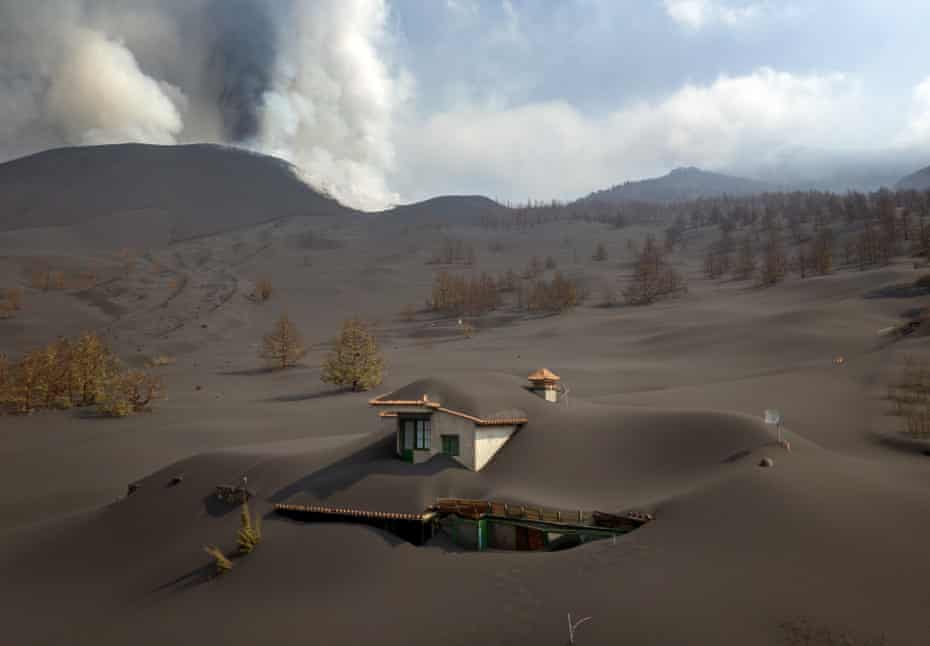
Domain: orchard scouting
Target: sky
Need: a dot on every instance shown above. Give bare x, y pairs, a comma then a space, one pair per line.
389, 101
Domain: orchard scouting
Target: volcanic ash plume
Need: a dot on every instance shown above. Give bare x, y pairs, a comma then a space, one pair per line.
302, 79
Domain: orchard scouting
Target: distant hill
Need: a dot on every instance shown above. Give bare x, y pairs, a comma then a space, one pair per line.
198, 189
919, 181
680, 185
446, 209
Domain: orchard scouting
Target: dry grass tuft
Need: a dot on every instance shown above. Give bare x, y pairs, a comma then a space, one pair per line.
160, 360
221, 564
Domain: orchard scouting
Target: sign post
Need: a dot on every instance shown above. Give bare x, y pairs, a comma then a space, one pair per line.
773, 418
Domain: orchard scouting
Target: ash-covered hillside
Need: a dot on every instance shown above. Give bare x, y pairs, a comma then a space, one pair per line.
194, 190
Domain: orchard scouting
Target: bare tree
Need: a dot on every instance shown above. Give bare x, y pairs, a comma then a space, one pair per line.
653, 277
772, 270
283, 346
746, 259
823, 251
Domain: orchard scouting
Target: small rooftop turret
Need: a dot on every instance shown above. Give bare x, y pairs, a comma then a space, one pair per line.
545, 383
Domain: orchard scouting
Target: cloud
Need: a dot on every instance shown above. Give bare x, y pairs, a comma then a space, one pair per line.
99, 95
917, 130
308, 80
697, 14
333, 100
553, 150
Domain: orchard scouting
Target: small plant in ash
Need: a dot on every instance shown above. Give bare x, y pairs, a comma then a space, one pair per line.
160, 360
221, 564
250, 532
408, 314
263, 290
466, 328
129, 392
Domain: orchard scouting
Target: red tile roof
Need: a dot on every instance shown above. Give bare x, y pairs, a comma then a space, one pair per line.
425, 402
544, 374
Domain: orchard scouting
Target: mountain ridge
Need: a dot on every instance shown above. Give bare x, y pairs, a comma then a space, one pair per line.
918, 180
679, 185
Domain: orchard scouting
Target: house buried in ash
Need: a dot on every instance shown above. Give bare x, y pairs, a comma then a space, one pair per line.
433, 417
430, 416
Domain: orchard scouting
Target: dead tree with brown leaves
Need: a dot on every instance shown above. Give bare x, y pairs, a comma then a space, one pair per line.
283, 347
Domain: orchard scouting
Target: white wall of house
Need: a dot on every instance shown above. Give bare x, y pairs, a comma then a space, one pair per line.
446, 424
477, 444
488, 441
549, 394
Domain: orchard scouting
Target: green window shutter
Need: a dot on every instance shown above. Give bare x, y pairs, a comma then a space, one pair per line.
450, 444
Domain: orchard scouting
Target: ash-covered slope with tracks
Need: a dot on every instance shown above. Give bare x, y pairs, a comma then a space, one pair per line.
194, 190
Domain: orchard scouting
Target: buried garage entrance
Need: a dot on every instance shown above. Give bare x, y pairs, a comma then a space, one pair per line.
481, 525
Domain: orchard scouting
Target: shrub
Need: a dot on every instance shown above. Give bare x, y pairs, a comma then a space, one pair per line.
263, 290
250, 532
557, 295
160, 360
653, 277
452, 251
221, 564
13, 296
457, 295
40, 280
113, 405
356, 360
408, 313
283, 346
71, 372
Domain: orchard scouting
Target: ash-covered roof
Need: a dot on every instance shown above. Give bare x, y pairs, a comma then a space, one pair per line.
483, 401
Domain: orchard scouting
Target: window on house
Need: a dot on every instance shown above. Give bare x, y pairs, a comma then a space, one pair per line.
408, 434
450, 444
423, 431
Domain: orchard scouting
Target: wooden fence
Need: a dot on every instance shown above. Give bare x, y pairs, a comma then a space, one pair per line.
475, 509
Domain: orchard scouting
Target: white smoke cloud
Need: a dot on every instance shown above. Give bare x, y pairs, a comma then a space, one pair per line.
307, 80
917, 130
552, 150
333, 101
99, 95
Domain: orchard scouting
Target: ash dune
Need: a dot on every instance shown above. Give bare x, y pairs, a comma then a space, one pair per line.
663, 414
